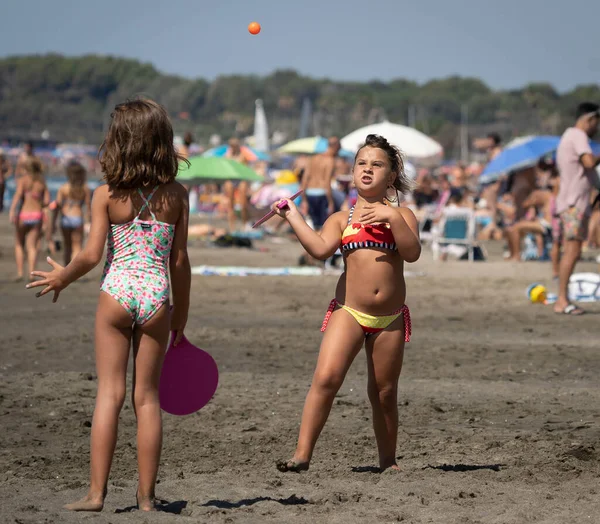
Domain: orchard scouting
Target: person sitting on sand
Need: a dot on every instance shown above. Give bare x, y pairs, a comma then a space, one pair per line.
369, 305
539, 220
73, 204
144, 212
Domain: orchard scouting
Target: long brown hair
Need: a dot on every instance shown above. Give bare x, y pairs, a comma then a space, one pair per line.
34, 168
76, 175
138, 150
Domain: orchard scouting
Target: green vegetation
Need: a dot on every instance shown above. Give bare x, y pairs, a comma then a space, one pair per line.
72, 99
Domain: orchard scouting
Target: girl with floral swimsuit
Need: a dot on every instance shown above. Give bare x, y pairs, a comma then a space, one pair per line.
144, 214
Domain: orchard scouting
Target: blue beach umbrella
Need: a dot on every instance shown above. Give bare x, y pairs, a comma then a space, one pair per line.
521, 156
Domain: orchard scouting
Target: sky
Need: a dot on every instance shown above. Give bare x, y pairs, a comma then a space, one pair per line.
506, 43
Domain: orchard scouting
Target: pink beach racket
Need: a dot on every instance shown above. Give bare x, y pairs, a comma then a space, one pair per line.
272, 213
188, 380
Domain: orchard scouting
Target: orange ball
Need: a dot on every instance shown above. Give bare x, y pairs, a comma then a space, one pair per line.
254, 28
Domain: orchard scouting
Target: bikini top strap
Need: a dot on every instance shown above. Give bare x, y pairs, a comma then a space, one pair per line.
147, 202
350, 215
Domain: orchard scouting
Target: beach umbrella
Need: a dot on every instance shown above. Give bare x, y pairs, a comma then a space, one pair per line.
524, 154
310, 146
412, 143
250, 153
215, 169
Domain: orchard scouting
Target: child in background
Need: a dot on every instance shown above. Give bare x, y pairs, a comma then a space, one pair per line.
27, 213
73, 204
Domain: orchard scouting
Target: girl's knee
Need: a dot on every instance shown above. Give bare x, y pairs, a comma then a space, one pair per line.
384, 394
327, 382
112, 393
143, 396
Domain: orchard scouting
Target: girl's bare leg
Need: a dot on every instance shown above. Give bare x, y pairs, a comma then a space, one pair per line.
68, 244
341, 343
149, 345
113, 334
76, 241
20, 249
385, 352
32, 245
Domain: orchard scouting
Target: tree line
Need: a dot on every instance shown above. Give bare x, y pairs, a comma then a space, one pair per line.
72, 97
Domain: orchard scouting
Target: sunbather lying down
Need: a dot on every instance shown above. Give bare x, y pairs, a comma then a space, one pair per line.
205, 231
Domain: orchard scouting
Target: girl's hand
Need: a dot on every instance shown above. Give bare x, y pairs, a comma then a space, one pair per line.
285, 208
178, 322
52, 280
374, 213
12, 217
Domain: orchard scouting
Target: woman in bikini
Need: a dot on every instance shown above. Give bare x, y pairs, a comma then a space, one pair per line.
143, 212
27, 213
73, 203
369, 305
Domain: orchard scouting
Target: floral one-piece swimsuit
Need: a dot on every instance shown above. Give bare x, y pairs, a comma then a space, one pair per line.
136, 273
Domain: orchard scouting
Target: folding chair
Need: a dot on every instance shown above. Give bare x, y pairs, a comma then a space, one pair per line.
456, 226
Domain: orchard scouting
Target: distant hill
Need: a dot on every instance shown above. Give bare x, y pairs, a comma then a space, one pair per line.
72, 99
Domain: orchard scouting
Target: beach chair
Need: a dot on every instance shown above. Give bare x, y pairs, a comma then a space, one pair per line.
456, 226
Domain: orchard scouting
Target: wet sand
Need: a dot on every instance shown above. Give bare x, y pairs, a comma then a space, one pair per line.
498, 404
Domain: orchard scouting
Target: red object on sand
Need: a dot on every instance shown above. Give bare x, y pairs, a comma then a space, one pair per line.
272, 213
188, 380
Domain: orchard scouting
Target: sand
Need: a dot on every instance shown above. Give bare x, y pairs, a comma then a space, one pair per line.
498, 404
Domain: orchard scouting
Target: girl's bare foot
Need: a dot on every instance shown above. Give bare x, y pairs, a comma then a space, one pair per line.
145, 503
87, 503
292, 465
385, 465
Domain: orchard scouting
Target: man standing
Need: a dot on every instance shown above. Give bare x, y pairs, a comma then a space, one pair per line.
576, 165
316, 184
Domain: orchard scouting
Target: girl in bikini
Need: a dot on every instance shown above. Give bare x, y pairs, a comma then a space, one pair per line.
369, 305
27, 213
73, 203
144, 213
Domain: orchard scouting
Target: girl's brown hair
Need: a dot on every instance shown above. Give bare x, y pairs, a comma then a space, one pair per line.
138, 149
35, 168
402, 183
76, 175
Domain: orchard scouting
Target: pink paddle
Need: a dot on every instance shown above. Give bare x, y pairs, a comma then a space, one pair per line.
270, 214
188, 380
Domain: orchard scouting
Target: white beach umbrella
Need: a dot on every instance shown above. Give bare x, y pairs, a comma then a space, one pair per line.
412, 143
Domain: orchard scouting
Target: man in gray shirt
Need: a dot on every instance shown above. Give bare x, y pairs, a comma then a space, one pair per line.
578, 176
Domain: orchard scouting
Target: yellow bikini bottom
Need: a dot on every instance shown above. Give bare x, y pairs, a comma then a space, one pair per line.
371, 324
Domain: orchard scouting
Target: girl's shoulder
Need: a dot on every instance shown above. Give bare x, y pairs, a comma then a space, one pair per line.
174, 190
407, 213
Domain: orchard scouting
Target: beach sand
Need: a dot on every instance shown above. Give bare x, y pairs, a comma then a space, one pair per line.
498, 404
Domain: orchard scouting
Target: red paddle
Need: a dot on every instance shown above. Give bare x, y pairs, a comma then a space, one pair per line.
188, 380
272, 213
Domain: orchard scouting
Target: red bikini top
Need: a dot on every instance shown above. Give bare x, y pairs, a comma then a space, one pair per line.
360, 236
